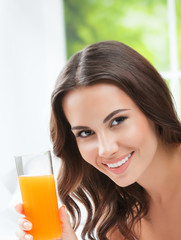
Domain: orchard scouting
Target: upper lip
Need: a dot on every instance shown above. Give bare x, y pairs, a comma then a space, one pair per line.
116, 159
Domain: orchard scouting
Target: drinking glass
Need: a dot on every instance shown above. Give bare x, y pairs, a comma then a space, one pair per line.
38, 191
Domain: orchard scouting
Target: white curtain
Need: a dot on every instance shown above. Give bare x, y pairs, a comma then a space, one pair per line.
32, 52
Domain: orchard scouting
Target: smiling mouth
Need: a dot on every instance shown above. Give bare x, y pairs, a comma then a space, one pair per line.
119, 163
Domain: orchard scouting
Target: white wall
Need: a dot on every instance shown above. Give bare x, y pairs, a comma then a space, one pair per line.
32, 52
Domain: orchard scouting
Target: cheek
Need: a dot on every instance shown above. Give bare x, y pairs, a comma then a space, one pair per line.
145, 138
87, 151
139, 134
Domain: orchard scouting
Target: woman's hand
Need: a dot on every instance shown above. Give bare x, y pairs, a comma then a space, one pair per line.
24, 225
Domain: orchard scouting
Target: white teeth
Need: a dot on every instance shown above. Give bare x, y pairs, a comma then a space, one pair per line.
118, 164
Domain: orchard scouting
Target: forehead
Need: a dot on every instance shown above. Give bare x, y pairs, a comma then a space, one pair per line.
96, 93
95, 99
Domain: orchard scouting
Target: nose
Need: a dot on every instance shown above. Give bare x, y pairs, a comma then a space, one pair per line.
108, 146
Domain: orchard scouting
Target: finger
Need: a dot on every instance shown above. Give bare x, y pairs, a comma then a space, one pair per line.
23, 235
67, 230
65, 219
25, 224
20, 208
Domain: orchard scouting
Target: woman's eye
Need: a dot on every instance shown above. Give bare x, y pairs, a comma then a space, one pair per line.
85, 133
117, 121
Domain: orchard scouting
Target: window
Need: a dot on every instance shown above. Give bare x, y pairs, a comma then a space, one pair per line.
152, 27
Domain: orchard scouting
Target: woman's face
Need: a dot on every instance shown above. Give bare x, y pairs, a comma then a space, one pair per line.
112, 133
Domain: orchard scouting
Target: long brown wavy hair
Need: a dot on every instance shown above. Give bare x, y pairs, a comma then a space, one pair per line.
107, 204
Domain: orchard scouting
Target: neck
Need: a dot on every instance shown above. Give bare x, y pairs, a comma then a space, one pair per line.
162, 179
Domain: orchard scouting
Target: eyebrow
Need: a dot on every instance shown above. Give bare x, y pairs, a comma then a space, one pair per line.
113, 113
104, 121
79, 127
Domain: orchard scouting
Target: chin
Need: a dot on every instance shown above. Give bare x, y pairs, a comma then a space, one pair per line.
124, 183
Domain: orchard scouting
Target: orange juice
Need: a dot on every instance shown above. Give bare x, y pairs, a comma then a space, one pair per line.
41, 207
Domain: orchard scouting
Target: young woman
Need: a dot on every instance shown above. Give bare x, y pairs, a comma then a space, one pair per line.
114, 126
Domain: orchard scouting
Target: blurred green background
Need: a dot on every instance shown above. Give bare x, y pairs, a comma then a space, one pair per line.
141, 24
178, 18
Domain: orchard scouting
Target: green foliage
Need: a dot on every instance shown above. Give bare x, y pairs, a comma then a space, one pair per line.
141, 24
178, 10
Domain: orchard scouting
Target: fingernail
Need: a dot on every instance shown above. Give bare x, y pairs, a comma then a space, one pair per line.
27, 225
65, 209
28, 237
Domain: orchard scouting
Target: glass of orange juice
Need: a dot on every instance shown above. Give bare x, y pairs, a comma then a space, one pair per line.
38, 191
